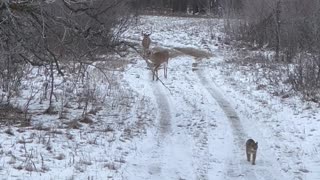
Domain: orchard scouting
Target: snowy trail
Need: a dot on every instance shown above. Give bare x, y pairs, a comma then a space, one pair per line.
186, 137
227, 108
200, 132
164, 122
238, 167
163, 131
234, 169
182, 145
163, 154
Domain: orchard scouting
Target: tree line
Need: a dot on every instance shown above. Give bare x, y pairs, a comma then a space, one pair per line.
180, 6
290, 29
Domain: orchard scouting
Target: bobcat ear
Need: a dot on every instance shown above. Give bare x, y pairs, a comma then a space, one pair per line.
256, 143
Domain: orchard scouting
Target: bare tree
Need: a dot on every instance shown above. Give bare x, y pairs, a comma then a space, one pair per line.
47, 33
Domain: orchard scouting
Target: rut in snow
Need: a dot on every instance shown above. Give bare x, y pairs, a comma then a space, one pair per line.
164, 123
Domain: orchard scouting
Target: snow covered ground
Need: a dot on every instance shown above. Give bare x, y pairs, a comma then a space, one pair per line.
193, 126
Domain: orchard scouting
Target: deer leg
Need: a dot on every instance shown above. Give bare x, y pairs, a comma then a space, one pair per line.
157, 74
153, 73
152, 76
156, 71
165, 70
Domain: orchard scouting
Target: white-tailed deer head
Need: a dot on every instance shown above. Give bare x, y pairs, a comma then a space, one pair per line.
146, 41
157, 58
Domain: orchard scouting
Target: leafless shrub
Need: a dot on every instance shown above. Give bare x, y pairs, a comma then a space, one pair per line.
41, 127
12, 160
28, 163
49, 147
69, 136
111, 166
109, 129
61, 156
93, 141
11, 73
19, 167
79, 167
9, 131
261, 70
33, 93
85, 162
73, 124
30, 167
86, 119
11, 115
94, 110
305, 77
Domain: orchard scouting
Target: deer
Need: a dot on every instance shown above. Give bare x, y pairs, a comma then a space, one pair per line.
146, 41
157, 58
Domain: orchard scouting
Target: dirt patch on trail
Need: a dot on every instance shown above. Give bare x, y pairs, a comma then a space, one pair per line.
197, 53
172, 52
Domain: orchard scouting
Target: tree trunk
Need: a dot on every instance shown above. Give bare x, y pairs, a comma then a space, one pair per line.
278, 26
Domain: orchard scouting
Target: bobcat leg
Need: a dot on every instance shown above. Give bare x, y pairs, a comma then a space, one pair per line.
248, 157
254, 159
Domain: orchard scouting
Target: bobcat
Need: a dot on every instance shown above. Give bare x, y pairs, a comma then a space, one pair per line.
251, 149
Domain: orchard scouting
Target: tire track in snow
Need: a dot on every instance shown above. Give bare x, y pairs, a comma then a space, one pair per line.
197, 123
201, 152
164, 121
237, 167
200, 136
163, 129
